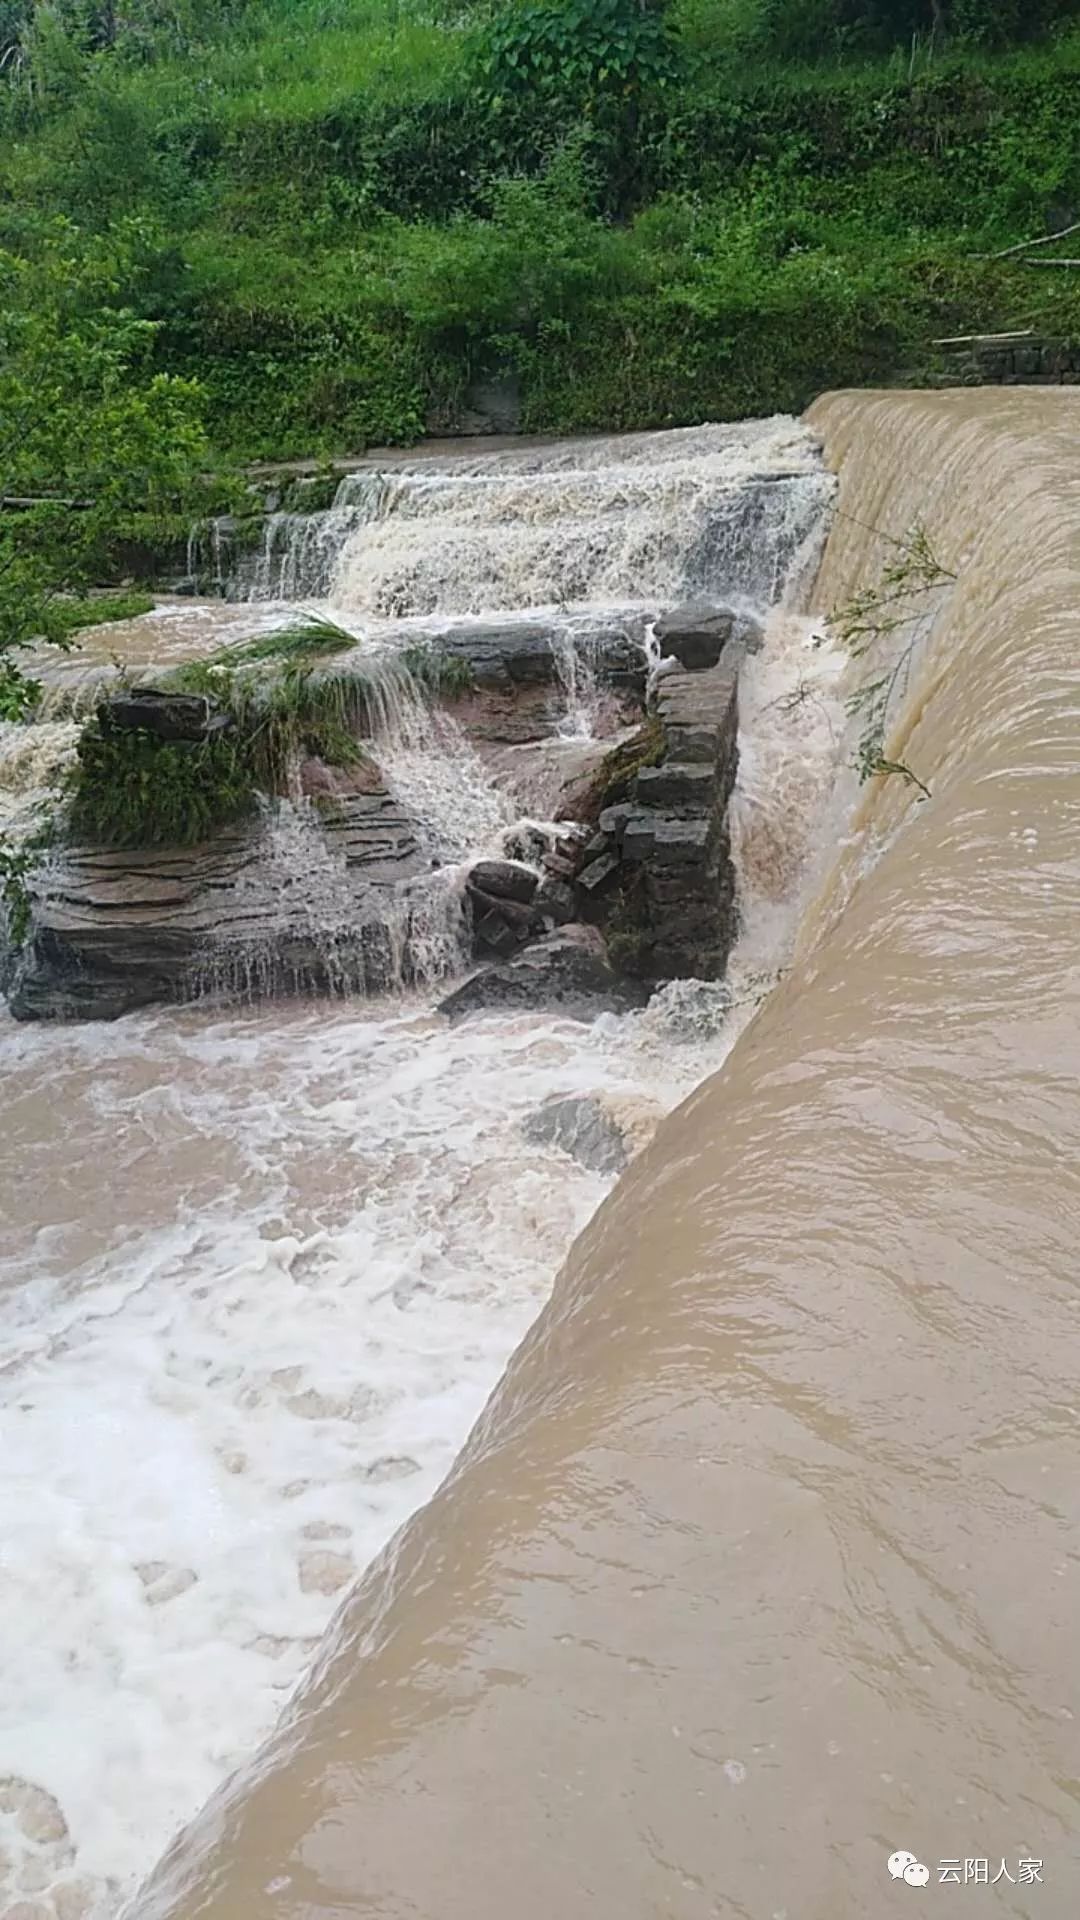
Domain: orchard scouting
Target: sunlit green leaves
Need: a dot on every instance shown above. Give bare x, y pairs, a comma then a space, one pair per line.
88, 431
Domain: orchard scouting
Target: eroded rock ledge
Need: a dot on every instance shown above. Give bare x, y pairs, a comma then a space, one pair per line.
638, 888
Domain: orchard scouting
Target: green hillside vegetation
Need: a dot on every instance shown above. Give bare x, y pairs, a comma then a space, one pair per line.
339, 212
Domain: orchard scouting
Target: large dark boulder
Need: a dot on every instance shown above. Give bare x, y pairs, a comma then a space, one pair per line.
171, 716
517, 654
503, 880
568, 971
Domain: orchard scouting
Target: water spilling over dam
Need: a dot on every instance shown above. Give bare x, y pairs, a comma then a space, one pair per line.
257, 1287
761, 1564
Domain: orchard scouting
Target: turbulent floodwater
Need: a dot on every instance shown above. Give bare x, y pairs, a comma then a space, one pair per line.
761, 1568
256, 1288
263, 1266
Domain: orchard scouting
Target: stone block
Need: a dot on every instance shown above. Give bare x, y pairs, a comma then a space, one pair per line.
697, 635
688, 742
171, 716
680, 842
598, 875
684, 785
504, 879
614, 819
639, 836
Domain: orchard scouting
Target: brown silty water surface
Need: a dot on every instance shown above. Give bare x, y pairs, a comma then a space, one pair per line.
762, 1562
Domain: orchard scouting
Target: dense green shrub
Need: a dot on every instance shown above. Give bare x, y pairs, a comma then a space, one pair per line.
133, 790
347, 209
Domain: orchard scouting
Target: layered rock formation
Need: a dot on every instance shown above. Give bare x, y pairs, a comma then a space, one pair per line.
329, 894
116, 929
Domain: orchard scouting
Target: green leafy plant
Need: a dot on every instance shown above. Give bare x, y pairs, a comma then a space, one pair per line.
308, 639
18, 860
897, 603
101, 609
132, 789
445, 674
334, 215
589, 51
89, 431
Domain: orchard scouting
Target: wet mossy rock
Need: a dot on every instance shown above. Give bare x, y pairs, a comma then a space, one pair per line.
170, 716
613, 781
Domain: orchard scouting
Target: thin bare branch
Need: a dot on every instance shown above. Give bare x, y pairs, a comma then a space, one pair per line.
1025, 246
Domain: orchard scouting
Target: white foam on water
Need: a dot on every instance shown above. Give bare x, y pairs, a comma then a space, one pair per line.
261, 1283
605, 522
32, 759
261, 1270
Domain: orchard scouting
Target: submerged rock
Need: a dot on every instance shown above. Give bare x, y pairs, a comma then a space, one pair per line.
583, 1129
569, 970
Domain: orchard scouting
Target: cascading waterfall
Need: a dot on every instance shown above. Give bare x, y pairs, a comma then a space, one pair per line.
32, 759
281, 1252
639, 521
579, 535
299, 551
430, 765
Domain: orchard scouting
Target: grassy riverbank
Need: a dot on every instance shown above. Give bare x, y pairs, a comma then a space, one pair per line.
345, 210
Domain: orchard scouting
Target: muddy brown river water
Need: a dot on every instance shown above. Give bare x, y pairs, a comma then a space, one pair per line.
761, 1566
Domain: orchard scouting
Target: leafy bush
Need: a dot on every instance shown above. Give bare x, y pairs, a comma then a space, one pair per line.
133, 790
346, 209
101, 609
91, 431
